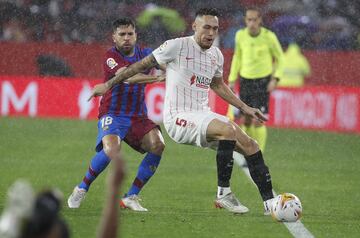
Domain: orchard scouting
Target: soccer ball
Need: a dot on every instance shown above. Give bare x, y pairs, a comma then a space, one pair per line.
286, 207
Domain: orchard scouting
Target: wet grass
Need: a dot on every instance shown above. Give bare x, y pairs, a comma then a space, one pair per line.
321, 168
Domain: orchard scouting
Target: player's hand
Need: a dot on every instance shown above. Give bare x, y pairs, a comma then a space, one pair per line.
255, 113
161, 78
99, 90
272, 84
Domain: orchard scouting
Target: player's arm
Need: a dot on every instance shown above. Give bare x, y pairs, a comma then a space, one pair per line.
145, 64
144, 78
224, 91
235, 63
162, 67
277, 54
141, 78
108, 226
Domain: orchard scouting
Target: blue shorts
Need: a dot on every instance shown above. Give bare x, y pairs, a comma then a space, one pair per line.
129, 129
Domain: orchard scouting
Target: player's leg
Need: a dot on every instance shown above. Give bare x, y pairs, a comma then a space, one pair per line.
248, 126
110, 151
260, 100
110, 131
258, 170
260, 134
143, 136
153, 144
246, 95
206, 129
225, 134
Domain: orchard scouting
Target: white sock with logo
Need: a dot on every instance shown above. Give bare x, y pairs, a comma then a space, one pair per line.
223, 191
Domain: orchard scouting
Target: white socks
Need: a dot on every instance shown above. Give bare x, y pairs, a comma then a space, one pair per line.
223, 191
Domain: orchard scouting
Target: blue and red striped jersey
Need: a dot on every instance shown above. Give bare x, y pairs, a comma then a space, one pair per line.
123, 99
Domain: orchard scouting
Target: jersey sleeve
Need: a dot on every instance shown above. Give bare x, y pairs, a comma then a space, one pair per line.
220, 64
147, 51
236, 60
111, 64
167, 52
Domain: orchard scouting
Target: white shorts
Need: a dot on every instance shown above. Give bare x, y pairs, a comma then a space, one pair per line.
190, 128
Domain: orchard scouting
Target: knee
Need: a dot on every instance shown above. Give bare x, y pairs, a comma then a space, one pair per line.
111, 150
229, 132
156, 147
251, 147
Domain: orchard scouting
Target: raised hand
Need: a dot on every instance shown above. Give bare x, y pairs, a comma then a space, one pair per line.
99, 90
255, 113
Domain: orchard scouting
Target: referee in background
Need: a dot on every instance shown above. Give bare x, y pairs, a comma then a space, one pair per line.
256, 56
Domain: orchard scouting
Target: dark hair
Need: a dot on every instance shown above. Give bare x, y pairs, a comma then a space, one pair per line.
255, 9
45, 216
123, 22
207, 11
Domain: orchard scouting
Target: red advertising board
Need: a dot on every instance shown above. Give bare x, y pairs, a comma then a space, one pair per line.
321, 108
325, 108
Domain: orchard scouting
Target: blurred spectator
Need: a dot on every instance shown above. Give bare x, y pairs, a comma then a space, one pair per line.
321, 24
51, 65
30, 216
291, 28
293, 68
159, 24
27, 215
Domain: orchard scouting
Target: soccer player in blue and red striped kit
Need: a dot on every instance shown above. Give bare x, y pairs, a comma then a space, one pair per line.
123, 117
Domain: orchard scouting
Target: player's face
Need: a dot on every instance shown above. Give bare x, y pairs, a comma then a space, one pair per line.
253, 21
125, 39
206, 29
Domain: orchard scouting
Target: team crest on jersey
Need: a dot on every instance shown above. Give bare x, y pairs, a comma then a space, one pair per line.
111, 63
213, 62
200, 81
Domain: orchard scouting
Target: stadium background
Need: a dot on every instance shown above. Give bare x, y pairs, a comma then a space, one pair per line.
51, 54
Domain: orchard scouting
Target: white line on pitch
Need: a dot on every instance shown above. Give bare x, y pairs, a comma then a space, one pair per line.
297, 229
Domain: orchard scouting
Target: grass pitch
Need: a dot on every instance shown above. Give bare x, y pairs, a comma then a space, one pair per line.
322, 169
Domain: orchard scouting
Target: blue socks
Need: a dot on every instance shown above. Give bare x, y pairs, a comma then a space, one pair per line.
146, 170
97, 165
100, 161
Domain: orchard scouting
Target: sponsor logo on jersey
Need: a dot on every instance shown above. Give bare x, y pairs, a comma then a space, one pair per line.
184, 123
111, 63
200, 81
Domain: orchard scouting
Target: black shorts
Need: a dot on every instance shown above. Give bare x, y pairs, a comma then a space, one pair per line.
254, 93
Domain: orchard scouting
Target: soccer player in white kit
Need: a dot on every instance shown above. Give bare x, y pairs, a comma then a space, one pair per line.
193, 66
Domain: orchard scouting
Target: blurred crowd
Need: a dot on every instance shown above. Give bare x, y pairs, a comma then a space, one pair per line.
313, 24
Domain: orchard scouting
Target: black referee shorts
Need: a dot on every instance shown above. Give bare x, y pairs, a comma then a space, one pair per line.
254, 93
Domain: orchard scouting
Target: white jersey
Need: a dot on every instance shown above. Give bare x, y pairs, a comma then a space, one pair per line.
189, 72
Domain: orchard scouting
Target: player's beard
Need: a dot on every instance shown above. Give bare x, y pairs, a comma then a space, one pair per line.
207, 45
127, 50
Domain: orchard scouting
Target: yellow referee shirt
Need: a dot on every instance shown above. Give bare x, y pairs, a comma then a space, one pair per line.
253, 56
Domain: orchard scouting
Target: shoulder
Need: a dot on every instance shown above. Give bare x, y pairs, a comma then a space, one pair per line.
241, 34
112, 59
172, 44
218, 53
268, 33
177, 41
144, 50
112, 54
